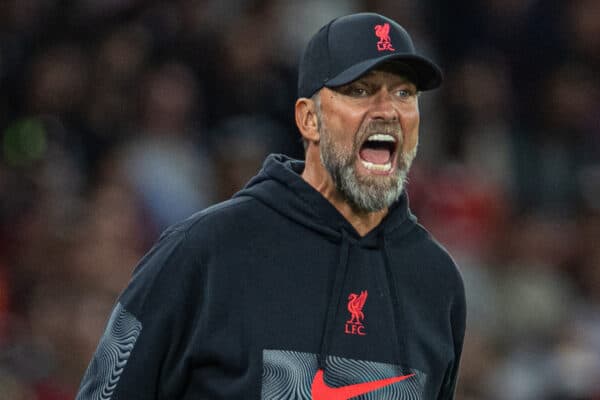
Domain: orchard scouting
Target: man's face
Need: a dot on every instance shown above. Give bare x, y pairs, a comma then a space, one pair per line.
368, 138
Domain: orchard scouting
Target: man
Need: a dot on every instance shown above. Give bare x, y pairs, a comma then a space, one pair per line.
315, 281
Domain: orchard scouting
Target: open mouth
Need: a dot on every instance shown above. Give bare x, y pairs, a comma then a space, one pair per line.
378, 151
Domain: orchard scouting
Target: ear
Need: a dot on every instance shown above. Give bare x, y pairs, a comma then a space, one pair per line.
306, 119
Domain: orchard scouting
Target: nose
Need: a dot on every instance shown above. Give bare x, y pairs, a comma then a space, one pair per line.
383, 107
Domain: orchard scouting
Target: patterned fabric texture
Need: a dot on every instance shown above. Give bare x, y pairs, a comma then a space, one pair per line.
288, 375
114, 349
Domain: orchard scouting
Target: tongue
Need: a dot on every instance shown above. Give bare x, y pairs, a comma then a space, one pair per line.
375, 156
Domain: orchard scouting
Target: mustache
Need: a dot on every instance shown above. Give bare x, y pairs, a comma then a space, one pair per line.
379, 126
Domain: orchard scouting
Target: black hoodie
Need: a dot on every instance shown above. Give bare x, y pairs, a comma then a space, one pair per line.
274, 295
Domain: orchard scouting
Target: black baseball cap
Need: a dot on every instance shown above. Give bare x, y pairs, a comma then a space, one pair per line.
348, 47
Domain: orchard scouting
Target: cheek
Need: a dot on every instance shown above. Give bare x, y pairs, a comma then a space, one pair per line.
342, 126
410, 127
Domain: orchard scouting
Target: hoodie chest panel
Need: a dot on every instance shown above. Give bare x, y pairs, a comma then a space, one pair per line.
363, 327
274, 286
273, 292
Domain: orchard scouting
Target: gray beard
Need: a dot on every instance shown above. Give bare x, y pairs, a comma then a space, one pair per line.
364, 194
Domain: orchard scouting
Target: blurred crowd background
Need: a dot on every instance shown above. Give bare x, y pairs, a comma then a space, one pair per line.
121, 117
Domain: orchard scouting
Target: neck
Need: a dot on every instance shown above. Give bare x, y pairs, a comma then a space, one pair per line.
315, 175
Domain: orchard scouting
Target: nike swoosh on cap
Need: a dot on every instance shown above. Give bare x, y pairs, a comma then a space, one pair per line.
320, 390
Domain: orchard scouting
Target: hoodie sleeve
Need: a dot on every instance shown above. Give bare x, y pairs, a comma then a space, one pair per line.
458, 320
146, 327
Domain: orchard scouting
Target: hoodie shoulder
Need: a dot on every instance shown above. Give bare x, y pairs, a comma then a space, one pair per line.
431, 256
219, 211
223, 220
180, 252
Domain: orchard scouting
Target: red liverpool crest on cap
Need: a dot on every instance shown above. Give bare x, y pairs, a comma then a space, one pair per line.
383, 33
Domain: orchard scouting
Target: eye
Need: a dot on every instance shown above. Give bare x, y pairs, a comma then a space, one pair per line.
355, 90
404, 94
359, 92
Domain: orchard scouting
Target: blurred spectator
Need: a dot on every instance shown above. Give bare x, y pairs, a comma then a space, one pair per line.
583, 30
563, 140
242, 144
121, 57
250, 45
109, 238
482, 137
56, 88
464, 209
171, 173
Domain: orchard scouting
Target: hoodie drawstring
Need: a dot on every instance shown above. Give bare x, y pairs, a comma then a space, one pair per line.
397, 305
334, 301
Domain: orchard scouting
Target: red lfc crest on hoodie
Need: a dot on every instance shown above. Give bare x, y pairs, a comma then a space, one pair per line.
383, 33
356, 302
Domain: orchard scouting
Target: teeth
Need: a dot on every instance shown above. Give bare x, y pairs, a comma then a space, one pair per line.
380, 137
377, 167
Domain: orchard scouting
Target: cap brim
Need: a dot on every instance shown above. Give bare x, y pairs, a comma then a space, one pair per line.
428, 75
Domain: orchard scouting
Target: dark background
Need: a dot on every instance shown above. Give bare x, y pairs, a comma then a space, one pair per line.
120, 117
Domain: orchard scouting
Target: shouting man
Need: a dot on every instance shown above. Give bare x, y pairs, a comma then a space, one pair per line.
315, 281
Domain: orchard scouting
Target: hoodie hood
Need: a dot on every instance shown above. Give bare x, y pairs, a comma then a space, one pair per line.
280, 186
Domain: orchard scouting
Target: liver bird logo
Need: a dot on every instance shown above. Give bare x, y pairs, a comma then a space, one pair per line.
383, 33
355, 305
